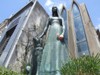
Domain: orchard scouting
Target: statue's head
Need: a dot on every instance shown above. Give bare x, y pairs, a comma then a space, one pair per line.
55, 12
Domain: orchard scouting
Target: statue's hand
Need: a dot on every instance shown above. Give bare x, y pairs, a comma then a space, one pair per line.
36, 40
61, 37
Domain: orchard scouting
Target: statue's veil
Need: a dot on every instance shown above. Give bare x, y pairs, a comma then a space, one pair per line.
57, 11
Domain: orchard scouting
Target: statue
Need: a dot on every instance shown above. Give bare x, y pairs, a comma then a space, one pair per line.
55, 51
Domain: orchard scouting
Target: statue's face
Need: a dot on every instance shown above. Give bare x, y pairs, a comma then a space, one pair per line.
54, 12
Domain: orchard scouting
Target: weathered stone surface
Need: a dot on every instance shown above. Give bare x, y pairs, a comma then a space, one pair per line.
24, 48
71, 36
3, 26
91, 35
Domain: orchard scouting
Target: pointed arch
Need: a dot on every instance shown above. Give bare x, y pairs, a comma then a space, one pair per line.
81, 41
63, 8
74, 1
63, 13
76, 11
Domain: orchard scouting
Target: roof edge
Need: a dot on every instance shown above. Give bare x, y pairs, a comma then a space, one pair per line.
27, 5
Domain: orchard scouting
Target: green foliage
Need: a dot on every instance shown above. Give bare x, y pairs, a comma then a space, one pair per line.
35, 27
22, 44
4, 71
17, 45
17, 59
85, 65
24, 68
47, 74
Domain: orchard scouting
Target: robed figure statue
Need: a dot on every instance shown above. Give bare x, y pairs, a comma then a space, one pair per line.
55, 51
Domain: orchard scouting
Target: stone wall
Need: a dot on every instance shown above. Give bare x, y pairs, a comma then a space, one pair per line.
71, 36
92, 40
91, 36
3, 26
34, 27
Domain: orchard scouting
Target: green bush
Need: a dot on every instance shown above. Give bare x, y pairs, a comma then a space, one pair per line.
85, 65
5, 71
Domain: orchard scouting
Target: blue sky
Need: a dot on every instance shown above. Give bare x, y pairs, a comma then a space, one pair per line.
7, 7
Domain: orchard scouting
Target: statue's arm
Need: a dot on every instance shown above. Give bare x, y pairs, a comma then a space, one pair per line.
45, 29
63, 26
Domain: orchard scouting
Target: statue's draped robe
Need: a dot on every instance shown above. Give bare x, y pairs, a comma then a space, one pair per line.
55, 51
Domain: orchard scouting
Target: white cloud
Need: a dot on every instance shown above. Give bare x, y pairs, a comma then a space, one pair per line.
48, 3
50, 8
60, 6
98, 27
